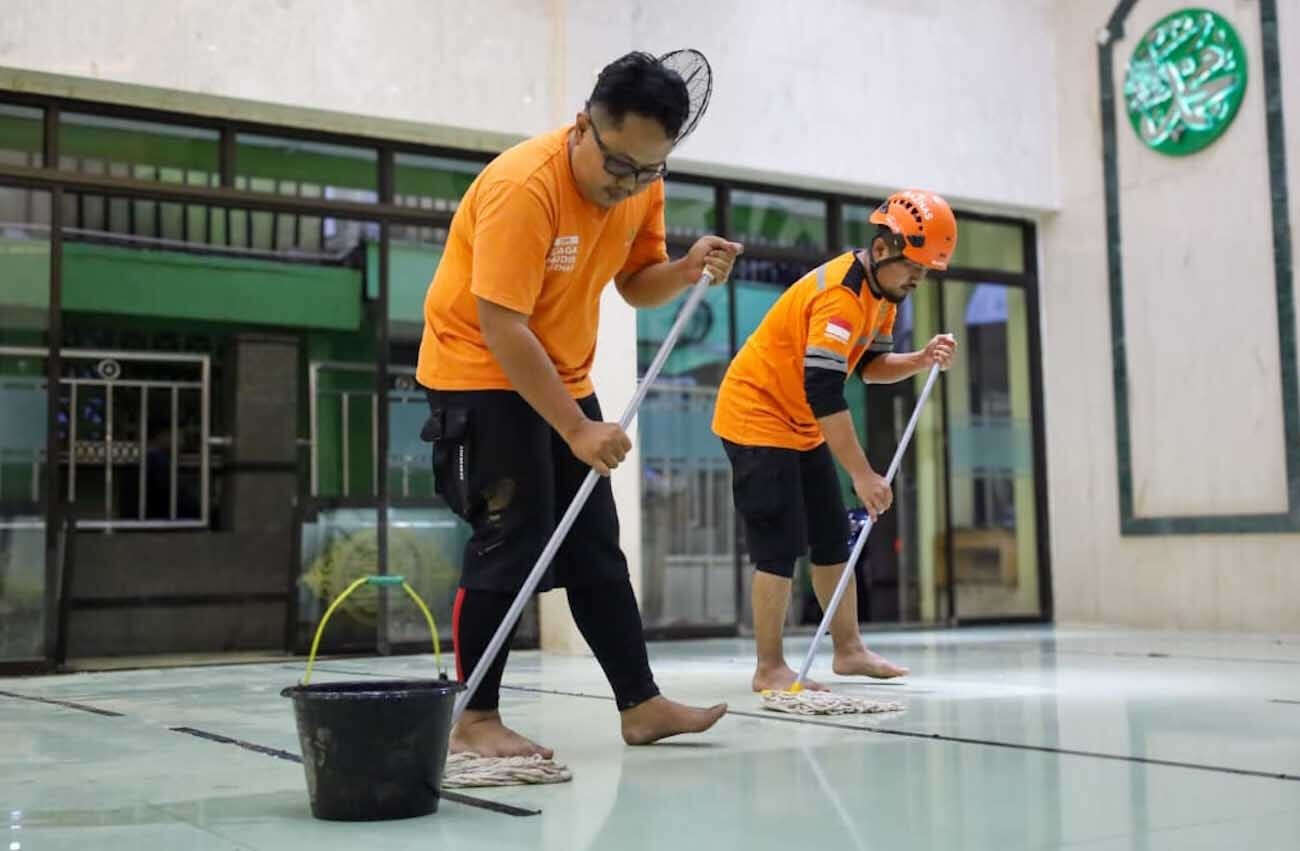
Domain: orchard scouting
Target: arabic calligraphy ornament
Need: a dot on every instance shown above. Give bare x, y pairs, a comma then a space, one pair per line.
1185, 81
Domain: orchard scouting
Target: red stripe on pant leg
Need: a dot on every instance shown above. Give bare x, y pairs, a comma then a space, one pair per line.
455, 632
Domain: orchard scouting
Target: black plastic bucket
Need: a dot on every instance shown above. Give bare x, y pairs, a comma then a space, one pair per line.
374, 750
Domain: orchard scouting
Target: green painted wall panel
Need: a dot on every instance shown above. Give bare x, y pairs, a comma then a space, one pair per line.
104, 279
107, 279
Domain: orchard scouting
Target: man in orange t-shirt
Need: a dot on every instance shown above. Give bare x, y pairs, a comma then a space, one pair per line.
509, 338
784, 421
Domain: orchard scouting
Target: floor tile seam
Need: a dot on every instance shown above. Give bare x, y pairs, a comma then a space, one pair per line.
287, 756
66, 704
219, 738
943, 737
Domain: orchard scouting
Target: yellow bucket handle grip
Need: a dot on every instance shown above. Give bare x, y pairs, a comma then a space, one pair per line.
375, 580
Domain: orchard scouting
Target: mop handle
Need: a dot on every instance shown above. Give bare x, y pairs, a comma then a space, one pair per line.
861, 543
579, 500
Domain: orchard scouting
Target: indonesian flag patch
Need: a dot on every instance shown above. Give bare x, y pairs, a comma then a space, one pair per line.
839, 329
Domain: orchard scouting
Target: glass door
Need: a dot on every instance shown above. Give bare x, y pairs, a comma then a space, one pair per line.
992, 531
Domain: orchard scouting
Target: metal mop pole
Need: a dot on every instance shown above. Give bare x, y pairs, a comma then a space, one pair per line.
579, 500
861, 543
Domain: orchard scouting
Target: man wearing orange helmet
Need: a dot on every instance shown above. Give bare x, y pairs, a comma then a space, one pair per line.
784, 421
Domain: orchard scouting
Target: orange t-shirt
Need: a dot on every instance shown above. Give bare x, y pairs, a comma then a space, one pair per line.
819, 319
525, 239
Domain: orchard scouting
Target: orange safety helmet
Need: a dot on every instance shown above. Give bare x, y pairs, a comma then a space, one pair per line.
925, 223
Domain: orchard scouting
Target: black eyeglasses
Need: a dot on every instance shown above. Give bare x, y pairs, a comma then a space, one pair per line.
618, 165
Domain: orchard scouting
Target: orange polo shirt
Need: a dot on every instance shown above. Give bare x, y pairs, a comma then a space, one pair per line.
818, 320
525, 239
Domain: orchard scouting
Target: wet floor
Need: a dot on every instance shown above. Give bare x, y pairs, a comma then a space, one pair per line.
1013, 738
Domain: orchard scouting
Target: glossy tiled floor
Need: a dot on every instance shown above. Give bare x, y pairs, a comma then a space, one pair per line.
1096, 740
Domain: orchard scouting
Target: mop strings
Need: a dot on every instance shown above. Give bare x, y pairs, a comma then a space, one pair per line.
465, 770
825, 703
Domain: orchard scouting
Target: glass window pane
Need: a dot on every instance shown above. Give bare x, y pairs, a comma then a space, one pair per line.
919, 491
332, 546
687, 541
857, 230
411, 264
689, 210
22, 134
688, 549
767, 220
24, 213
427, 546
24, 304
140, 150
342, 419
702, 352
435, 184
275, 164
687, 545
410, 459
989, 394
139, 406
24, 265
148, 147
303, 169
989, 245
432, 183
759, 283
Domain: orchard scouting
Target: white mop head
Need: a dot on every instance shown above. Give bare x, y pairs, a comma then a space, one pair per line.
824, 703
469, 769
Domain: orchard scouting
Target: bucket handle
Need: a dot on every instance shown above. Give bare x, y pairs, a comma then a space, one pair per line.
382, 581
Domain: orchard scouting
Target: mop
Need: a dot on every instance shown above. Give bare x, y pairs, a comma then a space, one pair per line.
500, 771
465, 770
797, 700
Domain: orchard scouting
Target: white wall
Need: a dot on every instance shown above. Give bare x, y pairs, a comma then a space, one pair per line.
1201, 332
949, 94
937, 93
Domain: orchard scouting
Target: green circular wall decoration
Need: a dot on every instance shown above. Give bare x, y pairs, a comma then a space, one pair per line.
1185, 81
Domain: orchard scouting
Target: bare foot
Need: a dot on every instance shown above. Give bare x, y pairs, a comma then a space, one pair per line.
658, 718
863, 662
484, 734
780, 679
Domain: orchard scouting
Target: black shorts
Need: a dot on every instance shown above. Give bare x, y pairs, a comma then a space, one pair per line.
790, 502
507, 473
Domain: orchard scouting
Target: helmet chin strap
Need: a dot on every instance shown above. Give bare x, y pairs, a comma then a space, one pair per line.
873, 270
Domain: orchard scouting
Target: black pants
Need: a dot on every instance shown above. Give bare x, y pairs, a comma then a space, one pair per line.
789, 501
507, 473
503, 469
606, 615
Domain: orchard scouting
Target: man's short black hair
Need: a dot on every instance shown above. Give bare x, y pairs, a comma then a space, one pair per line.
639, 83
